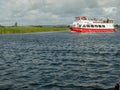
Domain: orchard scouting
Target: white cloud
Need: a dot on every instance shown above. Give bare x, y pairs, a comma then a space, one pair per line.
53, 11
110, 10
109, 3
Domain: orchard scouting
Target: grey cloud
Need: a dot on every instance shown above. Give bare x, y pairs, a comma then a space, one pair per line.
54, 11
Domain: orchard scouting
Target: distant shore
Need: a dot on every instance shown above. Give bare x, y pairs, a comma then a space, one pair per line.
30, 29
117, 26
33, 29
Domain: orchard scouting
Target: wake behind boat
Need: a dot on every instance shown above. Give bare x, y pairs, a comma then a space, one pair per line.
83, 24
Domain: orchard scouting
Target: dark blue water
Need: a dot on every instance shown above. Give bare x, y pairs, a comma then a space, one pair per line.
59, 61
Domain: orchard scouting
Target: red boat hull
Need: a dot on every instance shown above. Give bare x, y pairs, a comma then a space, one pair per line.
85, 30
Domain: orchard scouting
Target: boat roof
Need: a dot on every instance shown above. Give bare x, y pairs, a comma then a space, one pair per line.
81, 17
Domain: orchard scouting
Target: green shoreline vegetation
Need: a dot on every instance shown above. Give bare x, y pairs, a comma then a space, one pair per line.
117, 26
30, 29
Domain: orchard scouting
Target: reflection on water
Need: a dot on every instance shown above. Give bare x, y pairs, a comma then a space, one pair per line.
59, 61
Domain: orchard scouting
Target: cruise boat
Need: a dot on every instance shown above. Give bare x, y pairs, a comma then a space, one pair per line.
83, 24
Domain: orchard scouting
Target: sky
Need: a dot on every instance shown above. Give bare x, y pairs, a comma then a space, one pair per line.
56, 12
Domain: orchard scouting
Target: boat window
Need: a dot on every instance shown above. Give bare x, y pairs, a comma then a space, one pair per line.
88, 25
92, 25
84, 18
99, 25
96, 25
79, 25
103, 25
84, 26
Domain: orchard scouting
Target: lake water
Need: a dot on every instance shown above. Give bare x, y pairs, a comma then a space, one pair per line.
59, 61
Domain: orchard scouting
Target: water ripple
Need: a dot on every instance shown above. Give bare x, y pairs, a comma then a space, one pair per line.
59, 61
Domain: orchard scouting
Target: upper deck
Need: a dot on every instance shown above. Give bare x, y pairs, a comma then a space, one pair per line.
94, 20
81, 18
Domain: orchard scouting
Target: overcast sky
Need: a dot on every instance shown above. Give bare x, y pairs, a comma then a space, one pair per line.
55, 12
